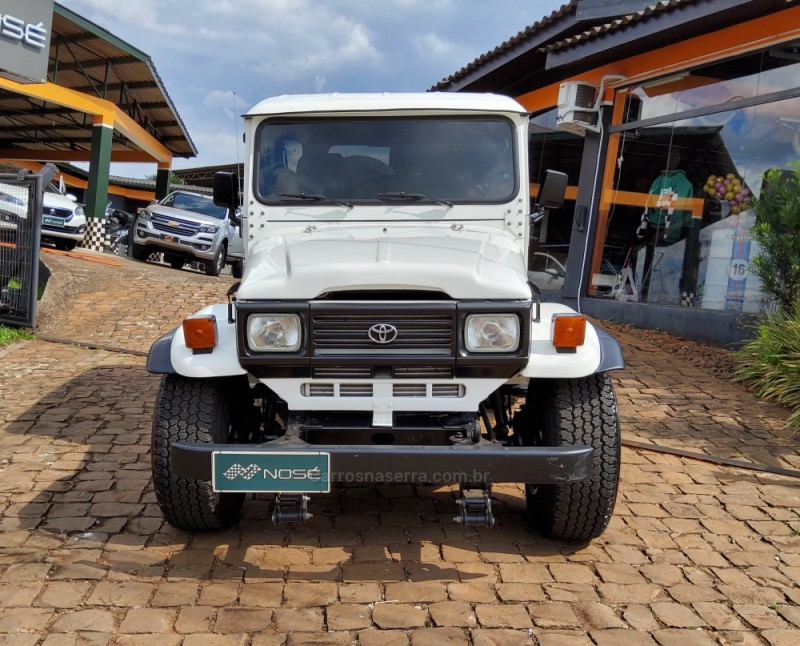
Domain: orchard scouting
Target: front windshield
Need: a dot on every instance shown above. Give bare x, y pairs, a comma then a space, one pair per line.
194, 203
382, 159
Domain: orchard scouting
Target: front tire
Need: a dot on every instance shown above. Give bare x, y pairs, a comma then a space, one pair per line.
65, 244
215, 265
139, 252
237, 269
570, 412
194, 410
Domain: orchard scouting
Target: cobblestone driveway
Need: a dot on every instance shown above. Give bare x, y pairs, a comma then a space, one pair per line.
696, 553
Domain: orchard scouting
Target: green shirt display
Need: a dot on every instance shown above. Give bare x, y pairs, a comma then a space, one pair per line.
667, 186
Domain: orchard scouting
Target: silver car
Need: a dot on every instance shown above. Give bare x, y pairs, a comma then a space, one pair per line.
188, 226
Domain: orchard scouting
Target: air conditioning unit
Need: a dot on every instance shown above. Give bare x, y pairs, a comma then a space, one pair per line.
576, 111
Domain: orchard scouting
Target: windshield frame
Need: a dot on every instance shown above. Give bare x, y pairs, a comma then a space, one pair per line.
505, 188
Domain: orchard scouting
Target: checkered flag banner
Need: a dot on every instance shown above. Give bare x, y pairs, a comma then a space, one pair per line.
247, 473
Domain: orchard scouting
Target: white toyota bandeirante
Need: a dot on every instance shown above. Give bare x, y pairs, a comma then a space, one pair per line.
386, 329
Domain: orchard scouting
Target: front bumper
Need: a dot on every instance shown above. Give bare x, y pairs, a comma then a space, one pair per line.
69, 233
200, 246
483, 462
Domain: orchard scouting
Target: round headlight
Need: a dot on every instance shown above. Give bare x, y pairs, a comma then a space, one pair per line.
273, 332
78, 209
492, 332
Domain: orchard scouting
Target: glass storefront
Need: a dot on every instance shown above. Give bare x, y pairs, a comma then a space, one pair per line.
678, 212
552, 149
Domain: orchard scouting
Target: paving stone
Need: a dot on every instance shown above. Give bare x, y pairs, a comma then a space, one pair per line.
562, 639
471, 591
399, 615
597, 616
618, 637
452, 613
194, 619
507, 616
676, 615
319, 639
781, 637
416, 591
98, 621
678, 637
307, 594
147, 621
244, 620
383, 638
348, 616
439, 636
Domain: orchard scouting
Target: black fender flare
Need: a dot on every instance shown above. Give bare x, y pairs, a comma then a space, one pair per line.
611, 357
158, 359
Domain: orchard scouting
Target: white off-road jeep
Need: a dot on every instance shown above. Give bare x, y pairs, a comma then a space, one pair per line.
386, 329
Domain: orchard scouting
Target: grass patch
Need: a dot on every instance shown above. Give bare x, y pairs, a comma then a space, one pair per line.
9, 335
770, 362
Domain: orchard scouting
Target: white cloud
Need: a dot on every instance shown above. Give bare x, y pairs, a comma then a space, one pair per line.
227, 101
207, 50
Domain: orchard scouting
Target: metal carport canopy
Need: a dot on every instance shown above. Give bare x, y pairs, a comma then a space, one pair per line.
103, 101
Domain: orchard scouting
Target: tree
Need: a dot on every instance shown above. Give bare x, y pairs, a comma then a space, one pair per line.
173, 178
777, 230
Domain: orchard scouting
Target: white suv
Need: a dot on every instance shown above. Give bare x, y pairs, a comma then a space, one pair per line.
188, 226
63, 219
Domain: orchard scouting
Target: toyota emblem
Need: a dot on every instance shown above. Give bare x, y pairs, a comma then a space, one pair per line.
383, 333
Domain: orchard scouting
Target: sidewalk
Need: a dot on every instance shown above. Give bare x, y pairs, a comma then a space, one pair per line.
696, 553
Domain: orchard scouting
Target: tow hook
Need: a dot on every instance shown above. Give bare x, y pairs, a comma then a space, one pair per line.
290, 508
475, 506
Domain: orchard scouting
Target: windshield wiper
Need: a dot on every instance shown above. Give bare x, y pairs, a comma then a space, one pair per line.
416, 197
315, 197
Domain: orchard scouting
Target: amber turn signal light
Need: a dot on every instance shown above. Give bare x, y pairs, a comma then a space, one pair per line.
200, 332
568, 331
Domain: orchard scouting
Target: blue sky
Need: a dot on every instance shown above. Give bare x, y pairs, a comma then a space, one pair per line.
219, 57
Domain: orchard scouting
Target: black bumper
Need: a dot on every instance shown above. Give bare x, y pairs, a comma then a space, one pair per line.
484, 462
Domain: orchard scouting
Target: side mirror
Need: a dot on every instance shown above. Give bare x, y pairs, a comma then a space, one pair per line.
553, 190
551, 195
226, 194
226, 190
71, 197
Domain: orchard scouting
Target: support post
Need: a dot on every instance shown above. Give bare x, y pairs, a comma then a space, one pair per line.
162, 182
97, 190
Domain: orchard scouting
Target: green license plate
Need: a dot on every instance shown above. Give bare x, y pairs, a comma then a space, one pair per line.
256, 471
52, 221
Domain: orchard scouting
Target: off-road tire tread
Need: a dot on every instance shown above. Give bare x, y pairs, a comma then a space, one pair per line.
582, 411
192, 410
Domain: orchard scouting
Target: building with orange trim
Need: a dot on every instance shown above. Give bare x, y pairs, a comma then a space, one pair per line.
670, 115
70, 91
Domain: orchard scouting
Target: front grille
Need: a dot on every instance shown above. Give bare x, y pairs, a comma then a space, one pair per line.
57, 213
174, 226
422, 332
405, 391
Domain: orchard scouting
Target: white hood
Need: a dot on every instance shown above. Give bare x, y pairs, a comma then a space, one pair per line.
471, 263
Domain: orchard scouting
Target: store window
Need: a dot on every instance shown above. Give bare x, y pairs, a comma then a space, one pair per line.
678, 215
552, 149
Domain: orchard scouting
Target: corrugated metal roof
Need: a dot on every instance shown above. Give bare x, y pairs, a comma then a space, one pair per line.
616, 24
87, 58
509, 45
574, 32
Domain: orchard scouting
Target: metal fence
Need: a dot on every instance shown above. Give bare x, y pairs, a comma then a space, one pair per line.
20, 233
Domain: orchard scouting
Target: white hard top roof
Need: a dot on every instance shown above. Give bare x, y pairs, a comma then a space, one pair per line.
319, 103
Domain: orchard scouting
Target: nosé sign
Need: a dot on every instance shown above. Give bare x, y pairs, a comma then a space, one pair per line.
25, 27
